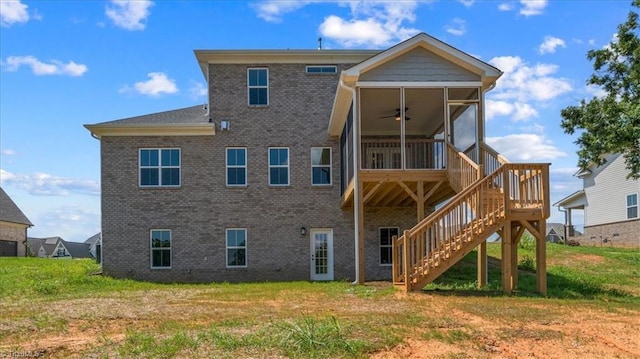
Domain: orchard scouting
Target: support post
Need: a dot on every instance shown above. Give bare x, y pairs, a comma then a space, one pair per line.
541, 258
405, 261
482, 265
507, 283
360, 232
514, 258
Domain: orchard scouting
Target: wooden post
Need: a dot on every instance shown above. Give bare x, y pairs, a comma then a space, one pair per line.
507, 283
360, 232
405, 261
482, 264
514, 259
541, 258
420, 207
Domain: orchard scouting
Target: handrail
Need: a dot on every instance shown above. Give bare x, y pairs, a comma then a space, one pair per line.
491, 158
472, 213
461, 170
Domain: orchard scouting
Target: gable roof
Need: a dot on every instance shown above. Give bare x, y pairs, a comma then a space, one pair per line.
49, 244
575, 200
10, 212
349, 78
77, 249
186, 121
93, 239
558, 228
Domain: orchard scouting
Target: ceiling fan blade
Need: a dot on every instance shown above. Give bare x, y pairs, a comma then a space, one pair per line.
387, 116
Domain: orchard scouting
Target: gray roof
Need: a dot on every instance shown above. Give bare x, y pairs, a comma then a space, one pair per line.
182, 116
77, 249
49, 244
9, 211
91, 240
557, 227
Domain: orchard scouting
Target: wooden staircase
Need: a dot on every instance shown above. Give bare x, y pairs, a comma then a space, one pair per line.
483, 206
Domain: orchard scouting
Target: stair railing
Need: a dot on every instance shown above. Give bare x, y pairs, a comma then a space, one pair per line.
461, 170
480, 207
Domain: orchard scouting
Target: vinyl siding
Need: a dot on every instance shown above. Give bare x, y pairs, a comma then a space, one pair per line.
419, 65
606, 190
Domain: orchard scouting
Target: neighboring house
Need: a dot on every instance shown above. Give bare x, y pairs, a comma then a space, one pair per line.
555, 232
58, 248
610, 202
13, 228
95, 246
42, 247
307, 164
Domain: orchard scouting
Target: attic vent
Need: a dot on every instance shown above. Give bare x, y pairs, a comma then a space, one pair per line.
322, 70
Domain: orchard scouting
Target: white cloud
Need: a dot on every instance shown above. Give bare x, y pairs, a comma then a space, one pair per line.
69, 222
198, 90
458, 27
532, 7
273, 10
525, 147
55, 67
130, 15
524, 82
550, 44
371, 23
157, 85
8, 152
505, 6
43, 184
13, 12
596, 91
518, 111
467, 3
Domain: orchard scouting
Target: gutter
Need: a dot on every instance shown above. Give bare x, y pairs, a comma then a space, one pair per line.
356, 185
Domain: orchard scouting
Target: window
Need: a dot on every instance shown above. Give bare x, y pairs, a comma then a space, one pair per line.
632, 206
329, 70
160, 248
236, 247
278, 166
320, 165
258, 86
160, 167
236, 166
386, 244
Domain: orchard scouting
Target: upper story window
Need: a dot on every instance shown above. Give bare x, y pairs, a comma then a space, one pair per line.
160, 248
258, 86
278, 166
159, 167
236, 166
328, 70
632, 206
321, 166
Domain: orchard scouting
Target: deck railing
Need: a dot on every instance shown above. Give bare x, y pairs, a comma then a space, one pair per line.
387, 154
438, 241
491, 158
461, 170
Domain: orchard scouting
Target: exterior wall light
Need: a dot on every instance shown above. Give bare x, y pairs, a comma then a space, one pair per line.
303, 231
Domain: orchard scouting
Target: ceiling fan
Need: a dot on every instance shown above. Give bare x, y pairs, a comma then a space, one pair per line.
397, 116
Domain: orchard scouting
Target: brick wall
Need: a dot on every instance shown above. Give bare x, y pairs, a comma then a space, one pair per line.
15, 233
199, 211
628, 234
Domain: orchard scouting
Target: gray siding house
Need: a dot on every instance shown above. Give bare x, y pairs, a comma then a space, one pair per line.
610, 203
316, 165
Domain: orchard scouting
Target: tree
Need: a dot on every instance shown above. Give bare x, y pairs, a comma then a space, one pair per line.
611, 124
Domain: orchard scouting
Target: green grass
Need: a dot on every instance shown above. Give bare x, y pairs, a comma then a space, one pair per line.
126, 318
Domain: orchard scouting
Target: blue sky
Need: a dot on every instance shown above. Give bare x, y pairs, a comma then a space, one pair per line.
68, 63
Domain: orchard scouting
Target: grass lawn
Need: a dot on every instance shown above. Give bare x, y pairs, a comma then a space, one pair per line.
58, 308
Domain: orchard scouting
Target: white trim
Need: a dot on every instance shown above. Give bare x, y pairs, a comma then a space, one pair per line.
287, 166
204, 129
330, 165
159, 167
386, 246
636, 206
425, 84
227, 167
161, 248
246, 247
249, 87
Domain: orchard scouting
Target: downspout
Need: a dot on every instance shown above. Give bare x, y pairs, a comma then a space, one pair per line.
356, 186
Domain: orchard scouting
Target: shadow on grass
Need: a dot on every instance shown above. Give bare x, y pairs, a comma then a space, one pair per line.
461, 280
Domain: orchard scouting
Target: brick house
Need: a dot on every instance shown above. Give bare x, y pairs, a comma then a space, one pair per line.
317, 165
13, 228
